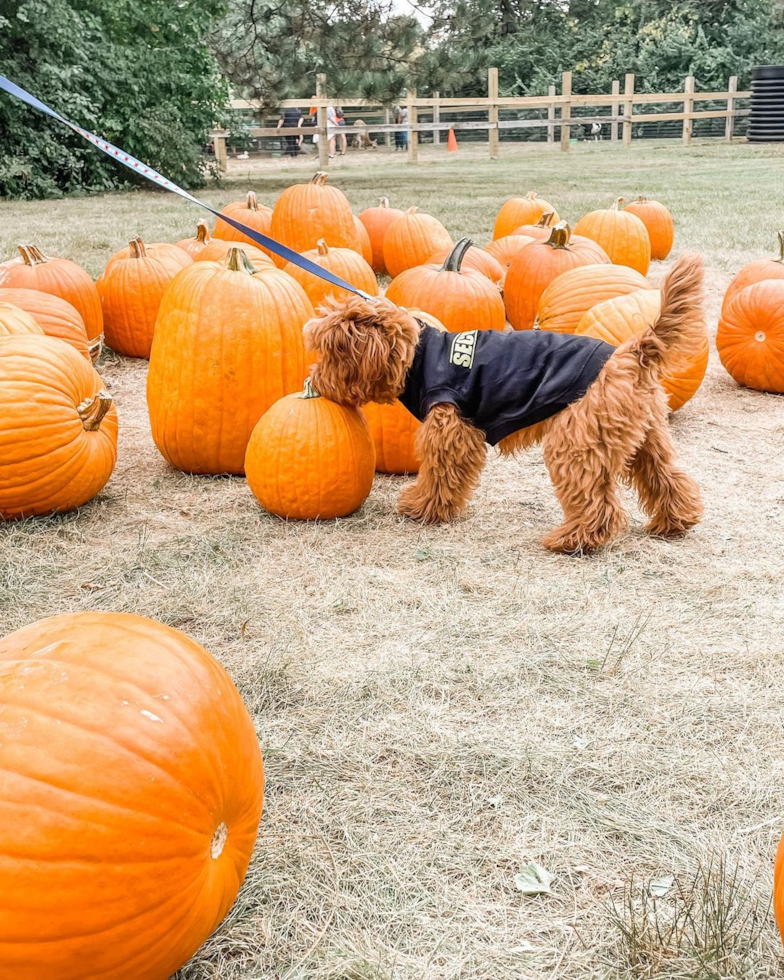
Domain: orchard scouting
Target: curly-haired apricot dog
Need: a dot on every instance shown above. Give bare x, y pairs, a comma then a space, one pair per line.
599, 411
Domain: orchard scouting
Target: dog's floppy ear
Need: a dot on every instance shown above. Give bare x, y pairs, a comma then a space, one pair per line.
365, 348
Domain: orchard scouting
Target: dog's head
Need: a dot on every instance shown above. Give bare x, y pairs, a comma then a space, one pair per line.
364, 350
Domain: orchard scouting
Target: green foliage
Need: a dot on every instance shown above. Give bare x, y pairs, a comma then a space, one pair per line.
138, 72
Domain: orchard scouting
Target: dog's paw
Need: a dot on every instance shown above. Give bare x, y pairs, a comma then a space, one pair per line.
665, 527
565, 543
410, 505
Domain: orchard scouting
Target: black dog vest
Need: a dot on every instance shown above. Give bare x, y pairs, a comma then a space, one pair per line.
501, 382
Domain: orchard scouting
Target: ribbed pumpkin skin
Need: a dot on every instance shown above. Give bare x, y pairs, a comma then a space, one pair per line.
227, 345
569, 296
755, 272
126, 749
55, 316
411, 239
659, 224
218, 249
503, 250
194, 246
617, 320
365, 248
309, 458
343, 262
477, 259
14, 320
521, 211
131, 288
621, 234
376, 221
305, 213
60, 277
750, 337
393, 430
249, 212
532, 270
49, 461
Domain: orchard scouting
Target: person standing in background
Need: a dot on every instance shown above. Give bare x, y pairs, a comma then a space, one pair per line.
291, 118
401, 118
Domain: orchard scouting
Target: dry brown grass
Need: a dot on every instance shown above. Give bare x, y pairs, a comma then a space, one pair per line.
440, 706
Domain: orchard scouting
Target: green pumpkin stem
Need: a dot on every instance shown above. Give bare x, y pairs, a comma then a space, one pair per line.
92, 410
560, 235
308, 391
454, 260
238, 261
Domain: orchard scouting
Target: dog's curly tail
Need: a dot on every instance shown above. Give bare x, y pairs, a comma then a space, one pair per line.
680, 328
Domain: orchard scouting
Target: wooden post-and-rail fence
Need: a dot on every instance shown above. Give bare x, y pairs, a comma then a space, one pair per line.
559, 109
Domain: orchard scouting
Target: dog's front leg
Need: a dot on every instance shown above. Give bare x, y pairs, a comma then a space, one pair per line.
453, 455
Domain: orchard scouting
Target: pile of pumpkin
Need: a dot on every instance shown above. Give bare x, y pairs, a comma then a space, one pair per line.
221, 321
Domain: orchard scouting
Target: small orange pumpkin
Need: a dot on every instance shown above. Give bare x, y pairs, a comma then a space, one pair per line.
131, 288
540, 232
618, 319
129, 759
475, 258
58, 440
56, 317
750, 337
522, 211
249, 212
570, 295
621, 234
309, 458
755, 272
376, 221
195, 246
503, 250
462, 299
411, 239
306, 213
343, 262
60, 277
14, 320
393, 430
534, 267
658, 220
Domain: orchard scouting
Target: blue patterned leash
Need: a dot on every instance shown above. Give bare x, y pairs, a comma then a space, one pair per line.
152, 175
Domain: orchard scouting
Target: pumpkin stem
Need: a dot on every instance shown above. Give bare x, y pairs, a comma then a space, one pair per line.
781, 246
320, 178
321, 245
454, 260
642, 199
94, 347
92, 410
560, 235
238, 261
202, 232
251, 201
617, 204
308, 391
32, 255
383, 202
412, 210
138, 248
531, 195
546, 220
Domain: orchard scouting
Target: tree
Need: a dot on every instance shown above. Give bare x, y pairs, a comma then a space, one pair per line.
138, 72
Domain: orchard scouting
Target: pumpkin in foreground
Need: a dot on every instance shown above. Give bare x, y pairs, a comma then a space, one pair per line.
132, 787
750, 337
56, 317
622, 235
310, 458
14, 320
393, 430
58, 440
756, 271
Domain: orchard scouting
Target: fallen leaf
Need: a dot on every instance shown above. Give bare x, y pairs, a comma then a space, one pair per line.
658, 887
533, 879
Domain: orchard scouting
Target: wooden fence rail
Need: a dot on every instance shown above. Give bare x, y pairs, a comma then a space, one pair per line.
621, 116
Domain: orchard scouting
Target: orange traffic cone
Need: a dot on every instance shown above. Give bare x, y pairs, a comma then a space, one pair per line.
452, 142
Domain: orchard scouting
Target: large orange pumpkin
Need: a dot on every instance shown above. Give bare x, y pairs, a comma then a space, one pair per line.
218, 249
376, 221
309, 458
411, 239
618, 319
249, 212
343, 262
540, 231
393, 430
474, 258
658, 220
750, 337
305, 213
132, 787
755, 272
131, 288
14, 320
228, 344
521, 211
60, 277
365, 248
56, 317
621, 234
534, 267
462, 299
503, 250
194, 246
573, 293
58, 437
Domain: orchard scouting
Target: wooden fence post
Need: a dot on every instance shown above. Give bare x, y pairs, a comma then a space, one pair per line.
551, 116
436, 120
321, 123
729, 130
688, 109
387, 136
492, 112
628, 108
566, 107
219, 146
615, 110
413, 135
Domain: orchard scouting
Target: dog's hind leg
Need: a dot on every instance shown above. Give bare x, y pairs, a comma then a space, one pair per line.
669, 497
453, 455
